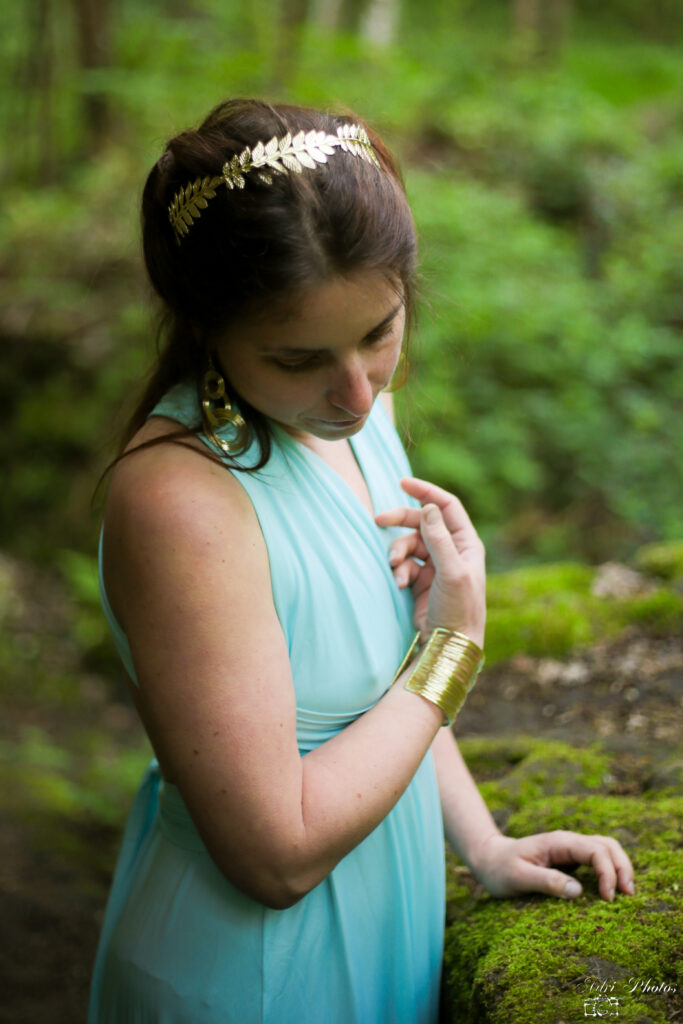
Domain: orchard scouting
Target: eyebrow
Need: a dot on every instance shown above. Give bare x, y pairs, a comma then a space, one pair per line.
294, 351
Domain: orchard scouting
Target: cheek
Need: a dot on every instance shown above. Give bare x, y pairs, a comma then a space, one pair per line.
268, 391
389, 359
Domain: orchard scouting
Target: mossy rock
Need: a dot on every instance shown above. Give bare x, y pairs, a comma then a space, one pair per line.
513, 771
536, 958
549, 611
664, 560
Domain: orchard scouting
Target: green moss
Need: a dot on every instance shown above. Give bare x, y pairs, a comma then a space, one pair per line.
540, 610
666, 778
538, 581
660, 610
550, 610
532, 768
490, 757
665, 560
533, 958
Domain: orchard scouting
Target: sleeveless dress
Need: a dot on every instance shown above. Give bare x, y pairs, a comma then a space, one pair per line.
179, 943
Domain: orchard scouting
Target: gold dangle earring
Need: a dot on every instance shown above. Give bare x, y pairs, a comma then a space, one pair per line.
217, 412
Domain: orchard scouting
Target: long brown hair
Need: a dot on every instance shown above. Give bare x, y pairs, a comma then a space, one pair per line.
256, 248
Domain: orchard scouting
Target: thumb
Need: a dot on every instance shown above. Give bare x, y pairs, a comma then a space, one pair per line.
436, 536
532, 878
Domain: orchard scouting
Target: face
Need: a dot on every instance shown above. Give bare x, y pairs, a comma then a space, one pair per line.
317, 373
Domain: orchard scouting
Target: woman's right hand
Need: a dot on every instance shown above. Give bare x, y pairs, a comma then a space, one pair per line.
449, 586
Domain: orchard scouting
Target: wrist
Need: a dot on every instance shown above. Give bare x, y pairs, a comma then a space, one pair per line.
445, 671
478, 854
475, 633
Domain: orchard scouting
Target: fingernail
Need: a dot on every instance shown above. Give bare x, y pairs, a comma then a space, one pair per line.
630, 888
610, 894
394, 557
432, 515
571, 889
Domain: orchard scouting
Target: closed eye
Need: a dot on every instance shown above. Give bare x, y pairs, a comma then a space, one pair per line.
302, 362
316, 359
378, 334
299, 363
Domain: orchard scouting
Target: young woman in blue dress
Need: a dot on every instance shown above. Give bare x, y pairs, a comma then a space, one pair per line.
266, 558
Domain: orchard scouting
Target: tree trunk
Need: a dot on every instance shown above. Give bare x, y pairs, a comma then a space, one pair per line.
380, 22
29, 117
350, 14
93, 38
525, 22
327, 13
540, 27
293, 16
555, 25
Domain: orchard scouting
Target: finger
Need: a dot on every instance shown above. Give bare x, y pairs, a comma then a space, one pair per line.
423, 580
621, 862
425, 491
452, 509
598, 851
439, 543
406, 573
534, 878
410, 545
626, 882
400, 516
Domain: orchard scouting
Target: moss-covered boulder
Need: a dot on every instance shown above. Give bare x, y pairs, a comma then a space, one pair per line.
554, 609
547, 961
664, 560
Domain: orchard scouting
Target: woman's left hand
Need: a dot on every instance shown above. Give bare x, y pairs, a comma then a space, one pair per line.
506, 866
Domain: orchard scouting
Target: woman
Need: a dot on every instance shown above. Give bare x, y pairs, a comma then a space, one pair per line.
283, 861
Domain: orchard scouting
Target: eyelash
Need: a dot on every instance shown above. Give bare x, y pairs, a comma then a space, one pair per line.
309, 362
305, 364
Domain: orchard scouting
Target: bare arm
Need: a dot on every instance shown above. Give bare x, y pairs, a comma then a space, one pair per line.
467, 820
503, 864
187, 571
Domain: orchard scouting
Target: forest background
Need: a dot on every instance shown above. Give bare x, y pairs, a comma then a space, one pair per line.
543, 149
542, 144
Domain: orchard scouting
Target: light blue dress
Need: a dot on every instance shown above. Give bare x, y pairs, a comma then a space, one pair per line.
179, 943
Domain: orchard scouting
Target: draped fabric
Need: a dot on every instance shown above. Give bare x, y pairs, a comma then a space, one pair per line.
179, 943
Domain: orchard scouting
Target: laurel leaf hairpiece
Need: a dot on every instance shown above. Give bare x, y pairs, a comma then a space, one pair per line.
278, 156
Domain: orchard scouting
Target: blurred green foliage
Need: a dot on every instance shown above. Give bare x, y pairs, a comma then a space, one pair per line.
72, 783
547, 193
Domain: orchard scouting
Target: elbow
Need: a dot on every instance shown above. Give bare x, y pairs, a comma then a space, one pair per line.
278, 869
273, 887
282, 899
283, 890
277, 893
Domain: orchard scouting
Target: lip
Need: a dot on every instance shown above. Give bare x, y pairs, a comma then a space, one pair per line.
341, 424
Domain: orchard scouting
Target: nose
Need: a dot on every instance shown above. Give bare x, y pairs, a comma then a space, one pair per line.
351, 390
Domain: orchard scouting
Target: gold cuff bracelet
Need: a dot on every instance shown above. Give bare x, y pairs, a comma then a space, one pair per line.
446, 670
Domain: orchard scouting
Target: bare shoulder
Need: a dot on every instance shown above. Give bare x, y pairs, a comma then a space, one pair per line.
168, 505
171, 463
187, 574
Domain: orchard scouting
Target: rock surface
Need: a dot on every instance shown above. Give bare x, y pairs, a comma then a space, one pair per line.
589, 744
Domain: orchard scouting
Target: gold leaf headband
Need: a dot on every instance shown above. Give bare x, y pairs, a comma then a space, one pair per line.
278, 156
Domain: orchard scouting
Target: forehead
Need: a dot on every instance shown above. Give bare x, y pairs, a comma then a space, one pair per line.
337, 311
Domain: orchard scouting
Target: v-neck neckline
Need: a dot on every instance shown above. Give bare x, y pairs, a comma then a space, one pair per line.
310, 453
